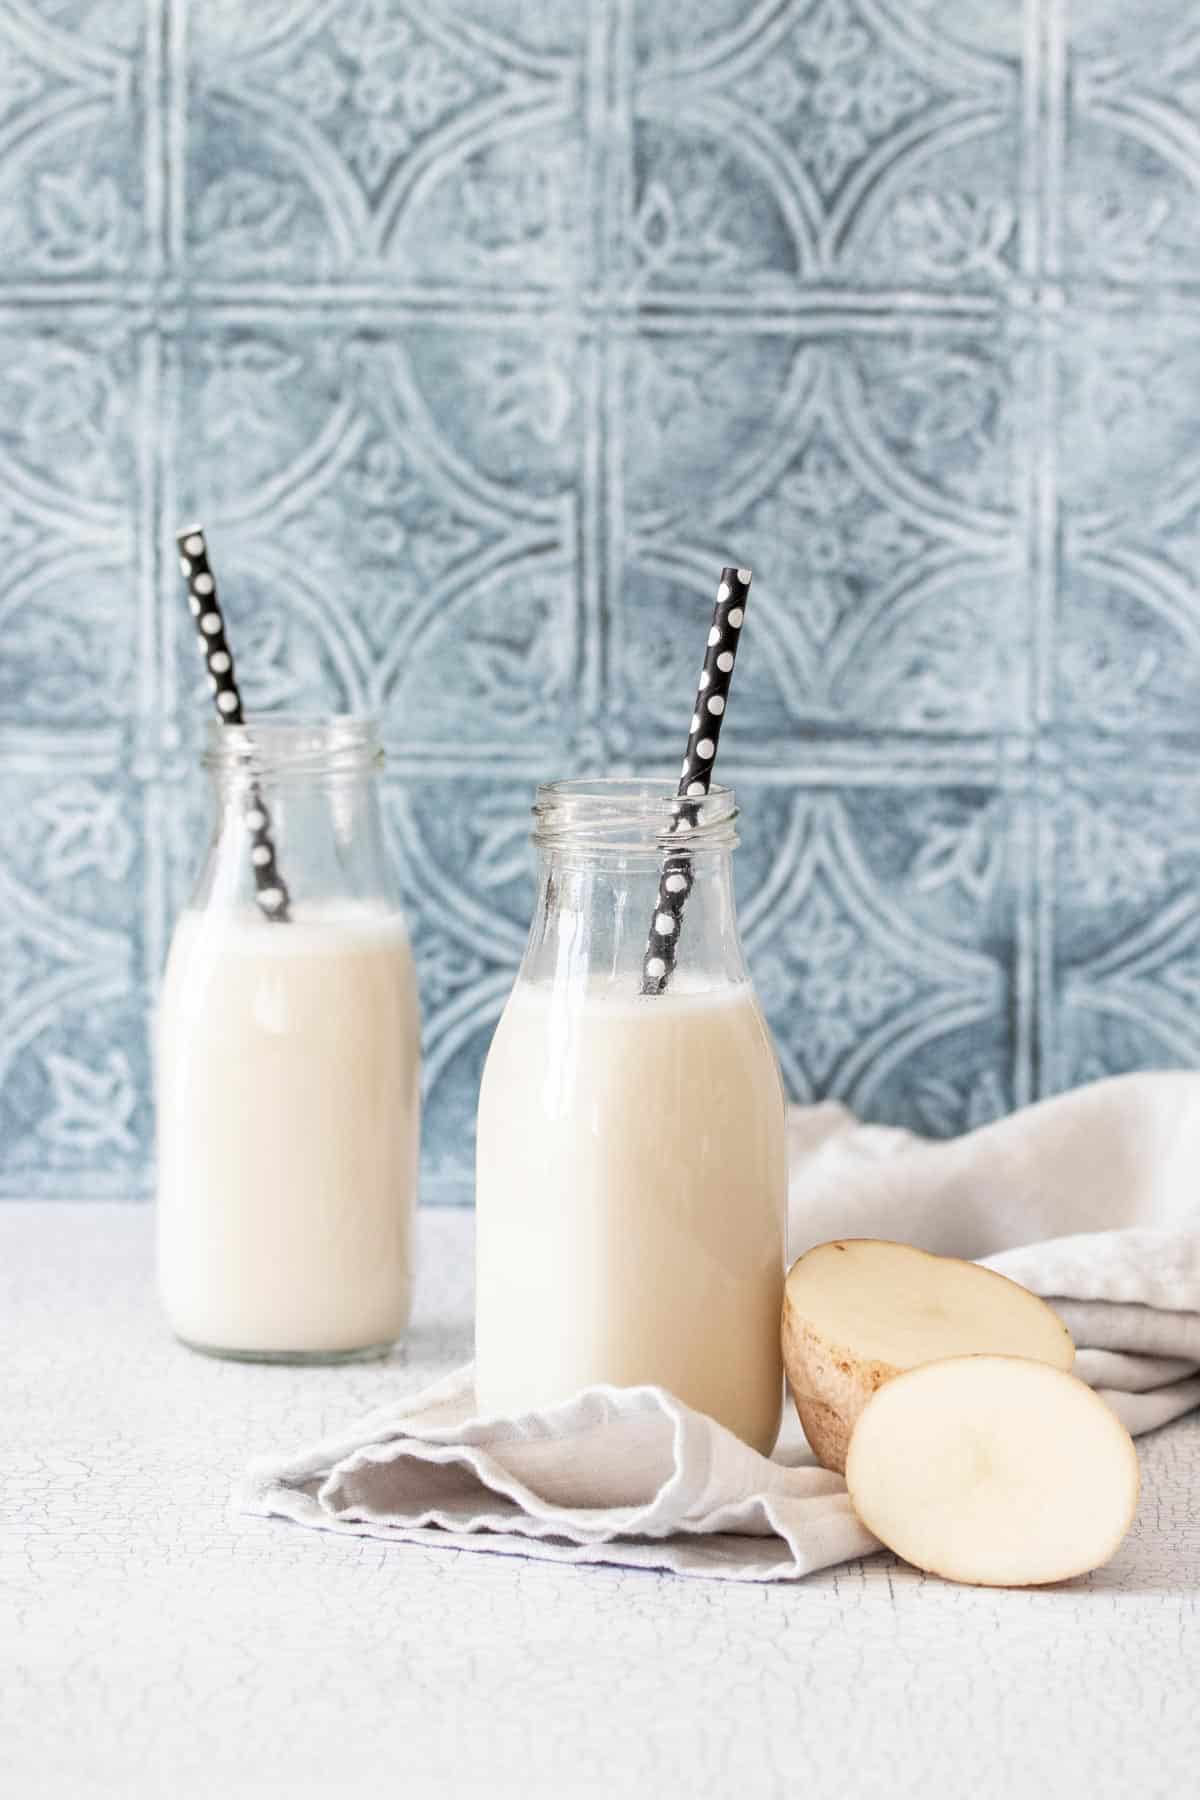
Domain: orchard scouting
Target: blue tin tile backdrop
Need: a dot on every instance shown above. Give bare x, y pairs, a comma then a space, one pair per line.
479, 333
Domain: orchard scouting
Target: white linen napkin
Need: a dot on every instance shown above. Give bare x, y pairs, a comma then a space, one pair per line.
1090, 1199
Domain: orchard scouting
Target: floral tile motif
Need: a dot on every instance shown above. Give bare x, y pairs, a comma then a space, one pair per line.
1129, 645
76, 1112
702, 408
704, 215
1124, 439
382, 132
938, 231
434, 838
836, 90
72, 202
1128, 629
508, 399
72, 837
74, 1078
880, 504
1133, 161
842, 137
853, 986
67, 501
505, 214
479, 333
369, 532
1127, 923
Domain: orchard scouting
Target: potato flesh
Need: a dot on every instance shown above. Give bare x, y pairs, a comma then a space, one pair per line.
888, 1303
994, 1470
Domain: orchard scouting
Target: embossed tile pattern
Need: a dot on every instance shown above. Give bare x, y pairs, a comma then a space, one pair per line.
479, 334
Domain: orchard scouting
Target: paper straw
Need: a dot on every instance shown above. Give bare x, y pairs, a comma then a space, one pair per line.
270, 888
704, 734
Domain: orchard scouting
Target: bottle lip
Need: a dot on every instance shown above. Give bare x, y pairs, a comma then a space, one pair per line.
631, 813
271, 745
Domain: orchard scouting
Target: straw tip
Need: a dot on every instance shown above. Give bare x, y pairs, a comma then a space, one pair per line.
186, 531
742, 575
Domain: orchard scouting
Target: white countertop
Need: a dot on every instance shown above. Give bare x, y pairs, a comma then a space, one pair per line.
151, 1644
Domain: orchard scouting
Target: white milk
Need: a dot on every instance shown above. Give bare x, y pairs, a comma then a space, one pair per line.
288, 1127
631, 1189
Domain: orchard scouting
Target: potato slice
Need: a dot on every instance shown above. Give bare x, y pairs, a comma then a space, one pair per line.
858, 1311
994, 1470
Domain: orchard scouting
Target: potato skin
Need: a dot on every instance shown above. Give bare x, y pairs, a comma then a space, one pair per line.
828, 1386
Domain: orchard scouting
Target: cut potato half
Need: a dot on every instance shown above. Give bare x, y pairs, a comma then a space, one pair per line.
994, 1470
858, 1311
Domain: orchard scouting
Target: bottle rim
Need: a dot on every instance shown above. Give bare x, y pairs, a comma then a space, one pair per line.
271, 746
631, 813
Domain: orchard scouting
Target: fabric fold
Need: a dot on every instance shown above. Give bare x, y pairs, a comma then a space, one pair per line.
625, 1475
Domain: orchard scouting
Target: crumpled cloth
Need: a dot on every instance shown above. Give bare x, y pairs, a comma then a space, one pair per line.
1091, 1199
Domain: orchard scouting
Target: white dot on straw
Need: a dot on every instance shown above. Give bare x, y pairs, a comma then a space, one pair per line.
219, 660
203, 584
227, 702
705, 677
211, 622
725, 661
716, 705
194, 545
705, 747
735, 617
185, 566
664, 924
260, 855
655, 966
723, 593
212, 682
255, 819
271, 897
195, 605
696, 787
683, 823
695, 724
744, 575
714, 636
686, 766
675, 884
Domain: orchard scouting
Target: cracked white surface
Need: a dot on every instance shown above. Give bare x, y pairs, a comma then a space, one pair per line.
154, 1645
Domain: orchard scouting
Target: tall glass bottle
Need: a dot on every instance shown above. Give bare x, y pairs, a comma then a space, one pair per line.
631, 1165
288, 1061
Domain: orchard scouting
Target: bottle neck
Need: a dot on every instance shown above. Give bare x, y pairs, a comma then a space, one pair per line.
312, 787
602, 848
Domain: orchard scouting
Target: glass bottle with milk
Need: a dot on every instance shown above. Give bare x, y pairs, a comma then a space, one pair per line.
631, 1163
288, 1062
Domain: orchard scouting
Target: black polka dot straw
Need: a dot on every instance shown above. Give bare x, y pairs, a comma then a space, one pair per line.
704, 734
271, 889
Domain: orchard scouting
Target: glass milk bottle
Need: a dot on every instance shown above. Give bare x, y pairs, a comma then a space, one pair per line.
631, 1164
288, 1060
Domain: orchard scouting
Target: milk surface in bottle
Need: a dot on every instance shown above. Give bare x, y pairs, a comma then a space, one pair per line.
631, 1163
288, 1065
